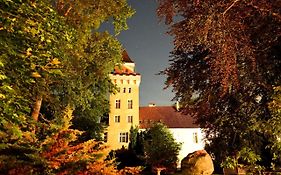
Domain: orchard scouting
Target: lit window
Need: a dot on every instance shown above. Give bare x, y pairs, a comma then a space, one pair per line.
128, 81
195, 137
130, 104
117, 104
124, 90
117, 119
105, 136
135, 81
130, 119
130, 90
124, 137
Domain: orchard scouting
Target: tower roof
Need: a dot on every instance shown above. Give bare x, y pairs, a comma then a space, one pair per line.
127, 68
126, 57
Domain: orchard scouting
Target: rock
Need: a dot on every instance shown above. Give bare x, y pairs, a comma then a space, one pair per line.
197, 163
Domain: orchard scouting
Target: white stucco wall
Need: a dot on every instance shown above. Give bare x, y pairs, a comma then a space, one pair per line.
186, 137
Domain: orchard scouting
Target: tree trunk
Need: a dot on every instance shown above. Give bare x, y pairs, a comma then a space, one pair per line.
36, 108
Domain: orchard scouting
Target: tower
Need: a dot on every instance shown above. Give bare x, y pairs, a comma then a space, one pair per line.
124, 105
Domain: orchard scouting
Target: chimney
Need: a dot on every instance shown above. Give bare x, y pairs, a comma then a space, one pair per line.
151, 105
177, 106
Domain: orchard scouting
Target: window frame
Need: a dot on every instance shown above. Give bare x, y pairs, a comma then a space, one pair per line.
124, 137
117, 104
117, 119
130, 104
130, 119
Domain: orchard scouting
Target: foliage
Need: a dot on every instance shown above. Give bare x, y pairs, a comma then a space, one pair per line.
160, 148
52, 53
57, 59
131, 156
54, 149
225, 65
30, 51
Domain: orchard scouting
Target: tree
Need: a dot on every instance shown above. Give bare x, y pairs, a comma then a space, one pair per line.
91, 59
47, 63
224, 66
160, 148
53, 55
54, 149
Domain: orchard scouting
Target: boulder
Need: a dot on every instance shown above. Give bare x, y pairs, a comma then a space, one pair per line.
197, 163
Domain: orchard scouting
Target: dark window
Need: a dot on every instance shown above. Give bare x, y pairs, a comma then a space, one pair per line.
117, 104
130, 104
130, 119
105, 136
124, 137
117, 119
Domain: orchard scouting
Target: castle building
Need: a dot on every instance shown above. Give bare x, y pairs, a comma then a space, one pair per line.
125, 112
124, 105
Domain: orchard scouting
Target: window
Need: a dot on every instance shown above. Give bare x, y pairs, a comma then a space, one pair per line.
130, 104
117, 119
135, 81
117, 104
130, 90
105, 136
124, 137
195, 137
130, 119
124, 90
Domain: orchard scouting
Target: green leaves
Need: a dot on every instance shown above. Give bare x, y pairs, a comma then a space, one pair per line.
51, 50
160, 147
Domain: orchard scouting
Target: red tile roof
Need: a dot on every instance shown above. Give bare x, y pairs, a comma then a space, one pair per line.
167, 115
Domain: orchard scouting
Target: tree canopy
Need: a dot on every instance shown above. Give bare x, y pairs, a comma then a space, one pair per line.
160, 147
224, 68
53, 59
52, 54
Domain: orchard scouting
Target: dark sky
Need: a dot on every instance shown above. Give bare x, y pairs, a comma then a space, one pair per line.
148, 45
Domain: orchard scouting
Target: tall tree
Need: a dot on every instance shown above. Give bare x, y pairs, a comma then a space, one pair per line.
225, 64
52, 54
48, 59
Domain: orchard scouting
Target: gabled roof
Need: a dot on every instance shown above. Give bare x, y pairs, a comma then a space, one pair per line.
126, 57
167, 115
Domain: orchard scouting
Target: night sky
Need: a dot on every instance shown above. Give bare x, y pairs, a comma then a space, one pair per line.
148, 45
